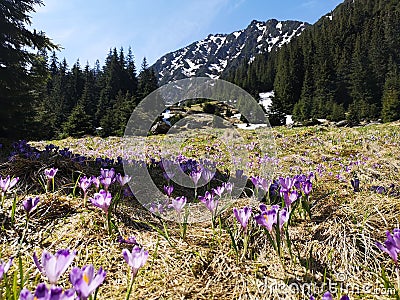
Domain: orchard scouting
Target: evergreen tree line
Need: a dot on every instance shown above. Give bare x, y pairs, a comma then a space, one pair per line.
76, 101
345, 65
41, 97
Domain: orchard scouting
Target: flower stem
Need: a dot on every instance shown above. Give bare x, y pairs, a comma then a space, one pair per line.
128, 293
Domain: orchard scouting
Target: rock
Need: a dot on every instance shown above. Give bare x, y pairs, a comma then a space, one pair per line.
342, 123
160, 128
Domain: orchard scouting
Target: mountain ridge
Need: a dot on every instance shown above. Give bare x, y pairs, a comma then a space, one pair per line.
213, 54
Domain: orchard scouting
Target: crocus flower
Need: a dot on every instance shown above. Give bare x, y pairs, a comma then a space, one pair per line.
168, 167
135, 259
7, 183
30, 204
306, 187
53, 266
356, 184
85, 281
209, 201
228, 187
123, 179
290, 197
267, 219
84, 183
207, 174
130, 240
168, 189
195, 176
242, 215
286, 183
178, 203
102, 200
110, 173
95, 181
219, 190
254, 180
283, 217
50, 173
327, 296
264, 184
42, 292
106, 182
4, 267
391, 246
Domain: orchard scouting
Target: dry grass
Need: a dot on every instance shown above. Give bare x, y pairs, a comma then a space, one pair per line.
336, 245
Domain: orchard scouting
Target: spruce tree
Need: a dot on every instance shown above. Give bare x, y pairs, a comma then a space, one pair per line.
391, 95
18, 82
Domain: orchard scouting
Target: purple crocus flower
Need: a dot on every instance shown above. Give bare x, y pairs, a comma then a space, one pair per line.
266, 219
168, 166
30, 204
53, 266
306, 187
207, 174
264, 184
84, 183
219, 190
85, 281
178, 203
290, 197
209, 201
255, 181
283, 217
355, 184
392, 244
50, 173
4, 267
168, 189
286, 183
106, 182
130, 240
242, 215
42, 292
95, 181
195, 176
7, 183
107, 173
228, 186
123, 179
102, 200
135, 259
327, 296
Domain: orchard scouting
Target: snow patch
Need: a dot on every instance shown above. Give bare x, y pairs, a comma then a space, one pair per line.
237, 34
266, 99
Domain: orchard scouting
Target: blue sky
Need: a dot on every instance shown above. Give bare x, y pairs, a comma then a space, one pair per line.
87, 29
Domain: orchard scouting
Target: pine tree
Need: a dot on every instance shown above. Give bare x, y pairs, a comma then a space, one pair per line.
391, 95
19, 83
78, 122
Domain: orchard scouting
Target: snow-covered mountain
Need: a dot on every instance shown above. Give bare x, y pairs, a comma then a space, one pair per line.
211, 56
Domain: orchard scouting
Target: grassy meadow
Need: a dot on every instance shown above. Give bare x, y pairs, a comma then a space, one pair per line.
330, 247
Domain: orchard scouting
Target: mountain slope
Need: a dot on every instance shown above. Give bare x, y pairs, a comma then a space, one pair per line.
347, 65
211, 56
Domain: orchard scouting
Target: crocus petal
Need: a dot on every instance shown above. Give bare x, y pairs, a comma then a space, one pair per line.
327, 296
25, 295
